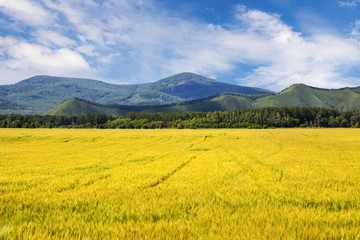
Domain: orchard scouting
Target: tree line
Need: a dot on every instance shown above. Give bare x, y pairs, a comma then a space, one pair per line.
272, 117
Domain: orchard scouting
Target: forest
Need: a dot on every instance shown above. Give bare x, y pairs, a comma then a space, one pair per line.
285, 117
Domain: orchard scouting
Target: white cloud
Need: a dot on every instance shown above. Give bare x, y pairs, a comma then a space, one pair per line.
89, 50
26, 11
353, 3
37, 59
52, 38
83, 16
108, 58
68, 9
291, 58
282, 55
133, 40
355, 32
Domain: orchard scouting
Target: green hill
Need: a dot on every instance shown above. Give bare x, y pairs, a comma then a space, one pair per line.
39, 94
302, 95
77, 106
223, 102
296, 95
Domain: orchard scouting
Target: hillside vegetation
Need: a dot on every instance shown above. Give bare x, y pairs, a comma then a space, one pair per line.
296, 95
223, 102
180, 184
39, 94
305, 96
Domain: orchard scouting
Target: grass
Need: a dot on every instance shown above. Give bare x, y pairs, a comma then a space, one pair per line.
180, 184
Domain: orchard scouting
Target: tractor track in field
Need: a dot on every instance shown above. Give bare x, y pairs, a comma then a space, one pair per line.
181, 166
167, 176
250, 169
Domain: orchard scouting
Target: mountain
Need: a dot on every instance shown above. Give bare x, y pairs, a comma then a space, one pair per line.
302, 95
39, 94
77, 106
190, 86
222, 102
296, 95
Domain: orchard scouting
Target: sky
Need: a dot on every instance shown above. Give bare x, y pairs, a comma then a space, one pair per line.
269, 44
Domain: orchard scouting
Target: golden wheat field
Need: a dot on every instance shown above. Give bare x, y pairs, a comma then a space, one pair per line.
180, 184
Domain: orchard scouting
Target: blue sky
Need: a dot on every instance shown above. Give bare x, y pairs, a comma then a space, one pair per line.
262, 43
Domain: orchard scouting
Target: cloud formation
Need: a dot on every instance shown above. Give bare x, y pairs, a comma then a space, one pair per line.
26, 12
26, 57
286, 57
352, 3
136, 41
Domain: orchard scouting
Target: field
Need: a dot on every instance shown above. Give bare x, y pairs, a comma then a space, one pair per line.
180, 184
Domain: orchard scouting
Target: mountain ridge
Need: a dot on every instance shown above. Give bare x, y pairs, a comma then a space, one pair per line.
308, 96
39, 94
221, 102
297, 95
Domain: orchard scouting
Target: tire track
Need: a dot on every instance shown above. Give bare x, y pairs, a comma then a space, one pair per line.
250, 169
167, 176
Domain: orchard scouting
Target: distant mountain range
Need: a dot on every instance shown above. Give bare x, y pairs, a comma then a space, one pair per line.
179, 93
296, 95
39, 94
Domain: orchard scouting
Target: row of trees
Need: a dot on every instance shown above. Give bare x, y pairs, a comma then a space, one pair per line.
286, 117
93, 120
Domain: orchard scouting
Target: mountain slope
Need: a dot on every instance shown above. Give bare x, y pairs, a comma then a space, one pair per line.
296, 95
223, 102
39, 94
302, 95
190, 86
76, 106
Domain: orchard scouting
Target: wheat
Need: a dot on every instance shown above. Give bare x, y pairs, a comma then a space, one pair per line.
179, 184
